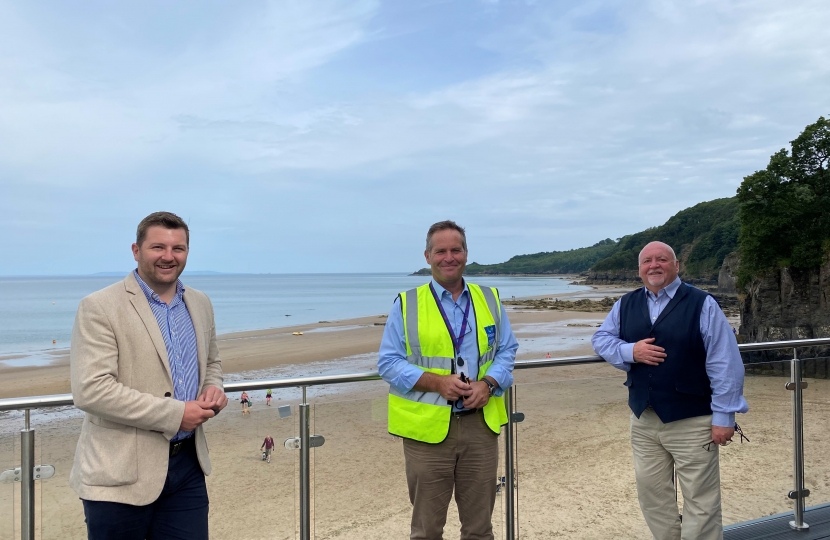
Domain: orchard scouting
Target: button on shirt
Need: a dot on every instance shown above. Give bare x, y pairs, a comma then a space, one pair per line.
395, 370
179, 340
723, 359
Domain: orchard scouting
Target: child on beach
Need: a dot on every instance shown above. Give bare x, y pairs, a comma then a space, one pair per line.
245, 402
268, 397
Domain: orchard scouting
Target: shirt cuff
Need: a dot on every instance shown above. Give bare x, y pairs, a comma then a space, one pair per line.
627, 352
721, 419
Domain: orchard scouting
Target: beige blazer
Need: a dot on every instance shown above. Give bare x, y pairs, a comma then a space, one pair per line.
121, 379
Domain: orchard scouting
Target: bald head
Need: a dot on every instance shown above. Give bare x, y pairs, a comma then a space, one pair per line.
656, 245
658, 266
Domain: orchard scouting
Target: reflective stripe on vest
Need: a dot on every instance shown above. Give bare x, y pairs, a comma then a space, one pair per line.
425, 416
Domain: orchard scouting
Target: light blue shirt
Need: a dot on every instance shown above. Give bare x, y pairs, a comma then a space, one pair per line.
723, 359
180, 341
395, 370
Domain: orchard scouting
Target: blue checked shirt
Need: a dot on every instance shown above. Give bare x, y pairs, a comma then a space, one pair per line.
180, 341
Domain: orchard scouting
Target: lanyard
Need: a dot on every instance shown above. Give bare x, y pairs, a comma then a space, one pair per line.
456, 341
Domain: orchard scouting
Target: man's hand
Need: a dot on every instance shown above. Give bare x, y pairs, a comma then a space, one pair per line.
479, 397
722, 434
214, 398
196, 413
646, 353
450, 387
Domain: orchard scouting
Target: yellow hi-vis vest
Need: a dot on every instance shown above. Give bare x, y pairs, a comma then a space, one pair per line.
425, 416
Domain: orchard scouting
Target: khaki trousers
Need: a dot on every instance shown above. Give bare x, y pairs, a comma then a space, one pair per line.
657, 446
466, 460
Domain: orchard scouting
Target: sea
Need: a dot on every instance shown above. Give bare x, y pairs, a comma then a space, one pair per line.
36, 313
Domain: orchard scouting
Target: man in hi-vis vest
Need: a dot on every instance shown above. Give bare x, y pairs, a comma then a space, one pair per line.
447, 353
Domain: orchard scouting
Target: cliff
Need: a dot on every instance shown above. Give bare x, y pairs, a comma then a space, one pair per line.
786, 304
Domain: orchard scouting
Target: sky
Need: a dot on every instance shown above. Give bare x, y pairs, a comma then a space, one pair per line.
304, 136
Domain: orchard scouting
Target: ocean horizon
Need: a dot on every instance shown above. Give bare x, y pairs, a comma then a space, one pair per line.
35, 310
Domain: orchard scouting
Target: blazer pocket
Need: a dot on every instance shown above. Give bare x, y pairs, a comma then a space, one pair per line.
108, 455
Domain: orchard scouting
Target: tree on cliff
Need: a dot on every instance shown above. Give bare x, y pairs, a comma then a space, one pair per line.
785, 209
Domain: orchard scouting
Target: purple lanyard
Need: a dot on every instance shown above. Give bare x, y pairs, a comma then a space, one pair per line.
456, 341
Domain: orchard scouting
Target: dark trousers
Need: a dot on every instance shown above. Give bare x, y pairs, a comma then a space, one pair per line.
180, 512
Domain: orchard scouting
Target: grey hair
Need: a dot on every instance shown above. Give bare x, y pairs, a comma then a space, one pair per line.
445, 226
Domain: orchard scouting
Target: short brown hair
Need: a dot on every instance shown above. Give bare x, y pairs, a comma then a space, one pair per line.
168, 220
446, 225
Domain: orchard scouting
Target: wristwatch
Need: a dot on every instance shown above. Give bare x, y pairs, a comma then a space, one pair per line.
490, 385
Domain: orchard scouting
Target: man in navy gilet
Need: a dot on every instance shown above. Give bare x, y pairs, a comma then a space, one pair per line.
685, 384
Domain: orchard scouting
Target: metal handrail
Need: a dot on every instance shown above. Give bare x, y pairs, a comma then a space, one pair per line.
62, 400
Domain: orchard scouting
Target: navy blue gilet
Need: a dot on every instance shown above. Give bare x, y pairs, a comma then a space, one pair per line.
679, 387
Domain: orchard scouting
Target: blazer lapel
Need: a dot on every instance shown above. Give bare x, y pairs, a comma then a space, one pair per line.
678, 296
142, 307
200, 327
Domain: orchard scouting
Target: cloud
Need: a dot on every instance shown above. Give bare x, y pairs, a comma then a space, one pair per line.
355, 124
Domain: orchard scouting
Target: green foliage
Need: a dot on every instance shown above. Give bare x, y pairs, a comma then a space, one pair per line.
785, 208
552, 262
708, 231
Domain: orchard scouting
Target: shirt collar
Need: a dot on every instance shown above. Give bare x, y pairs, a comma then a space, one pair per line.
670, 289
439, 290
151, 294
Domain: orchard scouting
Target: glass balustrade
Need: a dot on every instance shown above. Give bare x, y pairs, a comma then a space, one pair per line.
249, 497
360, 490
60, 513
816, 398
757, 475
574, 476
10, 424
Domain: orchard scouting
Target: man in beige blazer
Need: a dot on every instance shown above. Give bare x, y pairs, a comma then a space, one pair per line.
145, 369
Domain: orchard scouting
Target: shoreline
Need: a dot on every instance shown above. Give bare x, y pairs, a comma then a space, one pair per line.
539, 332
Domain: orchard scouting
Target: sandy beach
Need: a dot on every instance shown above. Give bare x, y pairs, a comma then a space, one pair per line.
575, 477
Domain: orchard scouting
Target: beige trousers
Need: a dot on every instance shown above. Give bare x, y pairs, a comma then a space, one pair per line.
658, 446
467, 460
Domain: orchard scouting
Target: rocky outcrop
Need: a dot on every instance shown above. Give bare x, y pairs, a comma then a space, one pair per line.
610, 277
728, 275
787, 304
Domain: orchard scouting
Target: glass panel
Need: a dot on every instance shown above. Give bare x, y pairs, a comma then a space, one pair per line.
249, 497
756, 476
359, 477
576, 477
816, 400
10, 425
60, 513
361, 467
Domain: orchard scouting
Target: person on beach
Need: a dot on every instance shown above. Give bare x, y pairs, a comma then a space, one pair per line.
447, 353
685, 384
246, 402
145, 370
268, 397
268, 445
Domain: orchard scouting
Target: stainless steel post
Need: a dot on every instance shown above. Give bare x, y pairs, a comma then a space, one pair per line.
510, 467
799, 493
27, 480
305, 476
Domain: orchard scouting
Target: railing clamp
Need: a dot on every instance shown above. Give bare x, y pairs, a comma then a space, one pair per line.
314, 441
39, 472
518, 417
793, 494
792, 385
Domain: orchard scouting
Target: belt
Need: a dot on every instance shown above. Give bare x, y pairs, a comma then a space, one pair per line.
465, 412
177, 446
